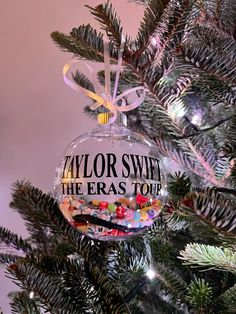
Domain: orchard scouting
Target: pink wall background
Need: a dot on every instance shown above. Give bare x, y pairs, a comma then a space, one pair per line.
39, 115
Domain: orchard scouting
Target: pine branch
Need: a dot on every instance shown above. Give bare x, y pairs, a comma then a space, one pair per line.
156, 120
227, 133
199, 294
164, 252
140, 1
31, 203
156, 230
133, 257
181, 154
163, 29
210, 157
22, 303
151, 19
7, 259
153, 303
228, 17
212, 36
57, 265
217, 15
177, 220
106, 16
226, 302
112, 301
216, 90
214, 209
208, 60
211, 257
178, 185
12, 240
83, 42
52, 291
83, 81
170, 282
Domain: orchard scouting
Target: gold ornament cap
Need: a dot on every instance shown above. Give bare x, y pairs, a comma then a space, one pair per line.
103, 118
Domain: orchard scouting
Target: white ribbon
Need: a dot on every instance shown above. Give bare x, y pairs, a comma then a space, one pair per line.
102, 94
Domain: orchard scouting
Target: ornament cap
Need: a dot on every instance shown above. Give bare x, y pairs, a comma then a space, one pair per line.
103, 118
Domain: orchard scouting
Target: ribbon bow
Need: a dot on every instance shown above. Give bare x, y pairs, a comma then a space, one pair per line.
102, 94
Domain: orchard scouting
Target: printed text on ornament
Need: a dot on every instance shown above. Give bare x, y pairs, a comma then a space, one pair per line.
88, 174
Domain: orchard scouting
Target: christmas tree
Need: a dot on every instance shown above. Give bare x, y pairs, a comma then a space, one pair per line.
184, 55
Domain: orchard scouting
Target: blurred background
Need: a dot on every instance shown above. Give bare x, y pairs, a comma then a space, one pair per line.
39, 114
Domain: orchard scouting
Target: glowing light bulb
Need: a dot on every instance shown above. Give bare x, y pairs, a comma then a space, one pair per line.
150, 274
196, 119
154, 41
31, 295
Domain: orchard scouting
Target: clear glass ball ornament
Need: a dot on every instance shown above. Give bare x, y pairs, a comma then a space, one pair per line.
110, 183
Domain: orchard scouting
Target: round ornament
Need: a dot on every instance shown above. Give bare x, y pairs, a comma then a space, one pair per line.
110, 183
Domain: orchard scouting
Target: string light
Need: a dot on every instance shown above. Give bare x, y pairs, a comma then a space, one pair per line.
154, 41
150, 274
196, 119
31, 295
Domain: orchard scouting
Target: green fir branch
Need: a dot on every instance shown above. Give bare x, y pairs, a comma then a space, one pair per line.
178, 185
212, 36
226, 302
8, 259
56, 265
217, 90
177, 220
199, 294
151, 19
216, 165
170, 282
133, 259
110, 297
52, 291
210, 257
83, 81
156, 230
140, 1
31, 204
179, 152
83, 42
12, 240
151, 302
216, 211
208, 60
218, 15
107, 17
22, 303
155, 120
228, 17
168, 22
228, 135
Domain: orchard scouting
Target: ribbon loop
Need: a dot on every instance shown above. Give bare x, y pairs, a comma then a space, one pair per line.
102, 95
